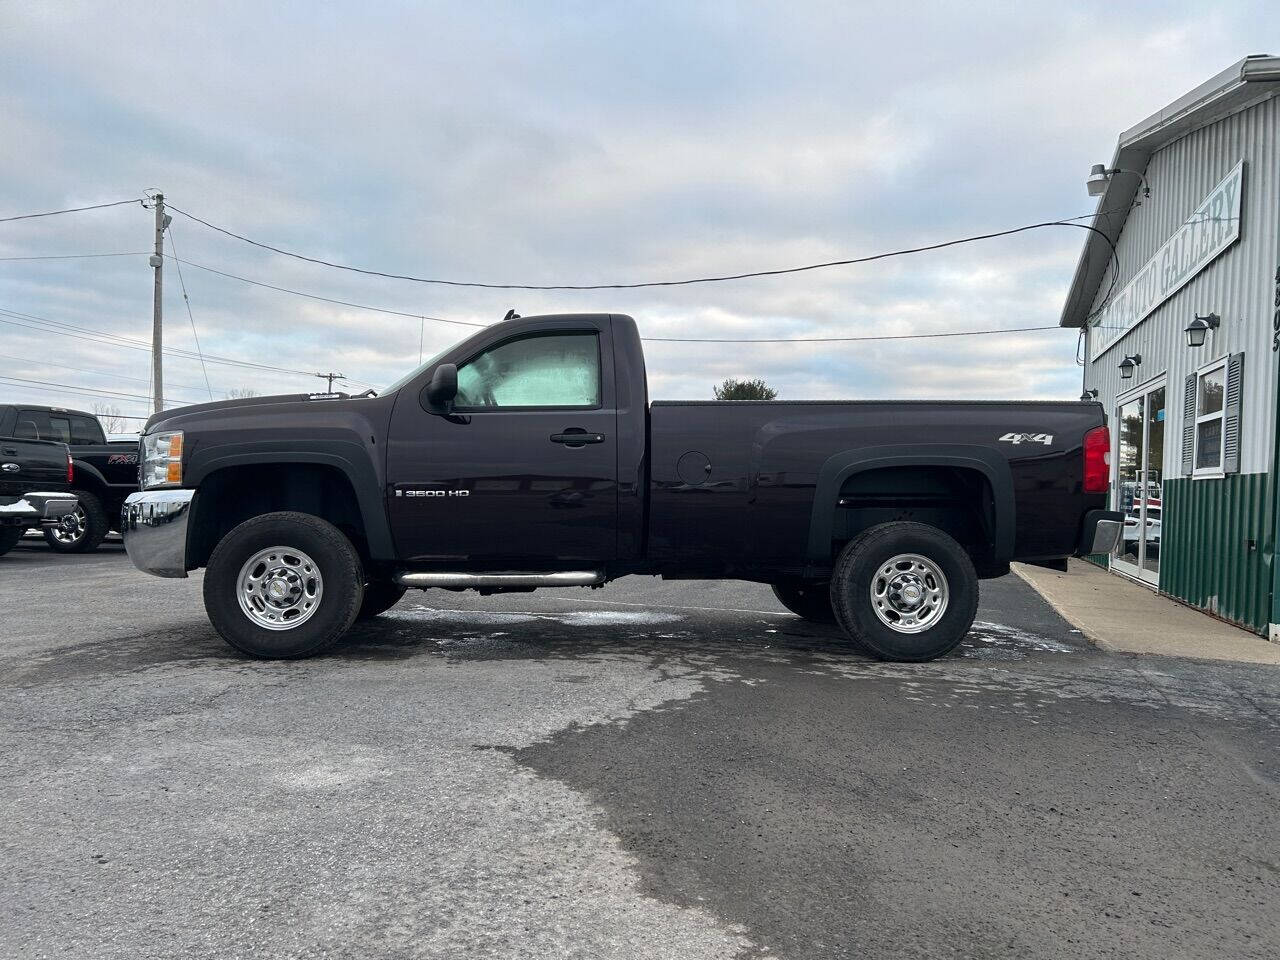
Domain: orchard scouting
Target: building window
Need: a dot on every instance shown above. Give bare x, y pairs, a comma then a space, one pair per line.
1211, 386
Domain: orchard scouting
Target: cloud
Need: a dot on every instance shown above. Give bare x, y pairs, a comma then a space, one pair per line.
579, 143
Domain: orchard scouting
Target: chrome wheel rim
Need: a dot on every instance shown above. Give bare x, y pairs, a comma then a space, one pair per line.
279, 588
71, 527
909, 593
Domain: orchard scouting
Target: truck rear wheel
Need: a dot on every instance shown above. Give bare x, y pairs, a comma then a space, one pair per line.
82, 530
905, 591
283, 586
806, 599
379, 597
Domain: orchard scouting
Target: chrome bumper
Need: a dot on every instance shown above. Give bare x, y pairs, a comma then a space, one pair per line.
38, 509
154, 527
1101, 533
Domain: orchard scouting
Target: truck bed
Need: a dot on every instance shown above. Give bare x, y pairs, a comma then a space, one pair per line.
740, 479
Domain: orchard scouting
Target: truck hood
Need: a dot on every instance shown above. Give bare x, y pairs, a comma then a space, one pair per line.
177, 416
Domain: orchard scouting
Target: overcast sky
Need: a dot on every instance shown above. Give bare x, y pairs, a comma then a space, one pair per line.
575, 143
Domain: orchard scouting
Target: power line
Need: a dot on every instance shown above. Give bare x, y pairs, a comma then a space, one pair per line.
187, 300
900, 336
466, 323
64, 393
64, 329
79, 256
70, 387
647, 283
54, 213
314, 296
99, 373
140, 345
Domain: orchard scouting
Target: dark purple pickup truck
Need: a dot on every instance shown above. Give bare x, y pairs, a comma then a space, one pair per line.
530, 456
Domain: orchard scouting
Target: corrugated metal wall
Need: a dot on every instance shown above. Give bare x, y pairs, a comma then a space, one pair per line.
1205, 559
1238, 286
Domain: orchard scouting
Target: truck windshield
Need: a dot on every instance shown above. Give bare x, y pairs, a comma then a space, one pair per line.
416, 370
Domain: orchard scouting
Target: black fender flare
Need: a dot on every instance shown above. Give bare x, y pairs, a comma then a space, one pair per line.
349, 457
840, 466
85, 468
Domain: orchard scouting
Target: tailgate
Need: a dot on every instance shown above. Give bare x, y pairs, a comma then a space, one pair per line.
27, 465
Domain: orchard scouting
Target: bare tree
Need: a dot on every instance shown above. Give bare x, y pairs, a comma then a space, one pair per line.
109, 416
241, 393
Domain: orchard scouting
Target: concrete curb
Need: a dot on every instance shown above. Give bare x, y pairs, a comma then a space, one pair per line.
1120, 616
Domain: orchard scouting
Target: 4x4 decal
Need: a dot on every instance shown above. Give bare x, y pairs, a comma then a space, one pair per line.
1045, 438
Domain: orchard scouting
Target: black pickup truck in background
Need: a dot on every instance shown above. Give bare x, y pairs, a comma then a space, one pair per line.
529, 456
35, 484
105, 473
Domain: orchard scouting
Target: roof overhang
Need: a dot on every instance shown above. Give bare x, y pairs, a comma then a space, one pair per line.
1241, 85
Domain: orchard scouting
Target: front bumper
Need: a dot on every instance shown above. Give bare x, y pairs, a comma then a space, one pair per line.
1101, 533
37, 509
154, 526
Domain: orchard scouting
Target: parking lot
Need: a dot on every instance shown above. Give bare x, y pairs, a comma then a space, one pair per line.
648, 770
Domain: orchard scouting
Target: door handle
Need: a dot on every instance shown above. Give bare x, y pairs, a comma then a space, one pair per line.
576, 437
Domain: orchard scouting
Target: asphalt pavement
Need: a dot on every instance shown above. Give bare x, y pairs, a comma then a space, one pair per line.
653, 769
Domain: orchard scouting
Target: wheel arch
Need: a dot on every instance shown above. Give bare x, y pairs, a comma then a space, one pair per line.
85, 476
840, 467
233, 487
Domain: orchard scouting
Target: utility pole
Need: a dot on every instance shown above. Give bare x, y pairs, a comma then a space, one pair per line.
157, 304
331, 377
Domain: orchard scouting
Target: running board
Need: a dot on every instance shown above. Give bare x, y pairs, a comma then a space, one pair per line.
568, 578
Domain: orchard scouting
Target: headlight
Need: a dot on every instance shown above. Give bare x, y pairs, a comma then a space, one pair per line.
161, 460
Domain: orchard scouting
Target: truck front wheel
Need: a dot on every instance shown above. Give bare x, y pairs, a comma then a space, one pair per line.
806, 599
283, 586
905, 591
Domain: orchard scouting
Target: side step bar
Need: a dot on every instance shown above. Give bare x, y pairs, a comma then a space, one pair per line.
568, 578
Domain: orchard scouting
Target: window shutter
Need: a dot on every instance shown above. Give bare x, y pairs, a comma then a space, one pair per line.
1231, 414
1189, 425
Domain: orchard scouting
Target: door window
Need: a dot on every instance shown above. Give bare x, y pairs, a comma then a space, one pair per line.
558, 370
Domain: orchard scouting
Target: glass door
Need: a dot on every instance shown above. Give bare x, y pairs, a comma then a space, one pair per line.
1138, 478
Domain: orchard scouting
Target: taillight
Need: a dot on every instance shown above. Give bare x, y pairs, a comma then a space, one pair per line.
1097, 460
71, 469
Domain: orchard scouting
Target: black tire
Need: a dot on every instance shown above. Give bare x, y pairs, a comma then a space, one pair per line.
339, 585
379, 597
9, 537
806, 599
84, 529
860, 565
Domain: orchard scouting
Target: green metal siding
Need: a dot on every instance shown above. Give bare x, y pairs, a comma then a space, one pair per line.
1205, 559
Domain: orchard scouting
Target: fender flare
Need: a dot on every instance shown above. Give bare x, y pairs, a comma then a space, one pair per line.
841, 466
348, 457
88, 469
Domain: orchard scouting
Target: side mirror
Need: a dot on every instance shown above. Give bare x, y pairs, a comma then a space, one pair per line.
442, 388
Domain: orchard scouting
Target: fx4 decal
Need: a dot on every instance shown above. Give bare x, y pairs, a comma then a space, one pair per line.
1045, 438
122, 459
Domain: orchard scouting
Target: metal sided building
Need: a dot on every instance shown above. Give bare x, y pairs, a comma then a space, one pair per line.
1180, 324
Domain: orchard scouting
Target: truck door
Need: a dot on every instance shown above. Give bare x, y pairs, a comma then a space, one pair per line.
524, 472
